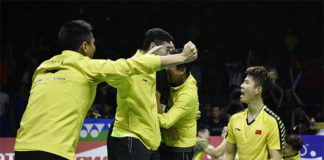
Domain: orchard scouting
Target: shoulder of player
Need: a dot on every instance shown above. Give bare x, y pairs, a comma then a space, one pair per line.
237, 115
270, 115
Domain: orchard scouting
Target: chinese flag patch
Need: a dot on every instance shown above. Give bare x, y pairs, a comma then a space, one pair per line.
258, 131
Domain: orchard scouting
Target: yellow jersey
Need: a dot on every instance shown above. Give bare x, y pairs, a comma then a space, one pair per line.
254, 140
136, 114
199, 155
297, 157
182, 115
62, 92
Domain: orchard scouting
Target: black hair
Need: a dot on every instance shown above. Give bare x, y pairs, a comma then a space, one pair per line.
73, 34
264, 77
184, 65
201, 127
156, 35
295, 141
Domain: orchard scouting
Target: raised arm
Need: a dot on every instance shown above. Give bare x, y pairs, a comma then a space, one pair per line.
188, 54
110, 71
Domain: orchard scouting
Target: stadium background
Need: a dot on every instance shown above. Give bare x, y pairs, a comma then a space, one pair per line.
286, 35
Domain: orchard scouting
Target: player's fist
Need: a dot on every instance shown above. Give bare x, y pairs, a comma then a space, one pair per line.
189, 52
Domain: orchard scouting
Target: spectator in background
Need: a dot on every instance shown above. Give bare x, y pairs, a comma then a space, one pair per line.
218, 121
235, 105
93, 112
301, 122
235, 74
107, 111
7, 126
286, 104
4, 101
18, 104
106, 94
205, 112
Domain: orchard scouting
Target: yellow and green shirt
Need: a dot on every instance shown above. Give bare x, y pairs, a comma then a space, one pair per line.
136, 114
297, 157
199, 155
182, 115
254, 140
62, 92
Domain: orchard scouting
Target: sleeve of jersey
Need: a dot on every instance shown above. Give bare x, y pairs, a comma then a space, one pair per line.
230, 134
276, 135
113, 71
179, 109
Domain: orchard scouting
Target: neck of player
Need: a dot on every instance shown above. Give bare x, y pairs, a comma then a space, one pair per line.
254, 107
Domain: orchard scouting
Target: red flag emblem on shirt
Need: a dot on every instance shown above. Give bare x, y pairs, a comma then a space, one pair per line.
258, 131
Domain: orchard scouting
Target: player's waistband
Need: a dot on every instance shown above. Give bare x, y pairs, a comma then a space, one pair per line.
176, 149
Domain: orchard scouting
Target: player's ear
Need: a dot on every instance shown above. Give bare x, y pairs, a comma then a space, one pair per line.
258, 89
183, 70
152, 44
83, 48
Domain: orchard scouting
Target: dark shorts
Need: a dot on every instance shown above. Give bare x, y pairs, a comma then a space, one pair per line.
176, 153
127, 148
36, 155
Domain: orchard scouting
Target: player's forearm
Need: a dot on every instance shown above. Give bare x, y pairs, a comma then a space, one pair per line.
275, 155
171, 60
230, 151
216, 152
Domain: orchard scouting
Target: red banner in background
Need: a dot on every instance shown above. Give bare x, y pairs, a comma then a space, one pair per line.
313, 148
215, 141
7, 148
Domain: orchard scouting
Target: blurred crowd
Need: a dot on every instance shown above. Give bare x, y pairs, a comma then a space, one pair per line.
289, 42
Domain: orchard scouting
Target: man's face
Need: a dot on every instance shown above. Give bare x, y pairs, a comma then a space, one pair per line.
174, 75
91, 48
216, 112
165, 50
288, 150
248, 90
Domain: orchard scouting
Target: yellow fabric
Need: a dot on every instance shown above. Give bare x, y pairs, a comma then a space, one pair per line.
251, 145
297, 157
63, 90
136, 114
182, 115
199, 155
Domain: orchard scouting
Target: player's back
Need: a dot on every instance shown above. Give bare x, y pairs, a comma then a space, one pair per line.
58, 103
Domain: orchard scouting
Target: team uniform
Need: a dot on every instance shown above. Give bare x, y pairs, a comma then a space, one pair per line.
136, 133
253, 140
297, 157
182, 115
201, 144
199, 155
62, 92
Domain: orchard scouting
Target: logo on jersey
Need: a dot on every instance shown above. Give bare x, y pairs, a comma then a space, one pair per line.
258, 132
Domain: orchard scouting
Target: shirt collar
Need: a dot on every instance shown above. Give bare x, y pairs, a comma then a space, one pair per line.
67, 52
189, 80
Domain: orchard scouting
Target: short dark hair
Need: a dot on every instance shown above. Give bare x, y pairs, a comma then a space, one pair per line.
264, 77
156, 35
201, 127
73, 34
184, 65
295, 141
